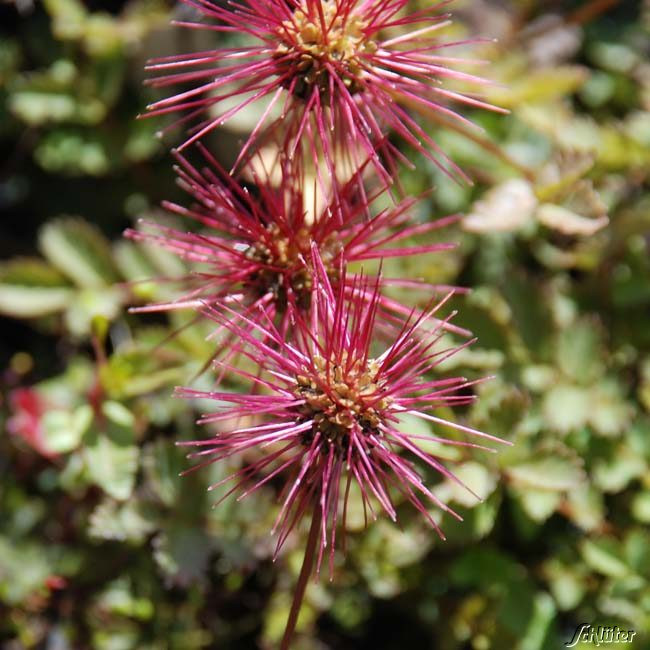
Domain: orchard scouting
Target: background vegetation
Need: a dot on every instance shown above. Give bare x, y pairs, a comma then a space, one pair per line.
103, 546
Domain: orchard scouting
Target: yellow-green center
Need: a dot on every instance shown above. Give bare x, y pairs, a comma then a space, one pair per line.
340, 45
338, 399
287, 259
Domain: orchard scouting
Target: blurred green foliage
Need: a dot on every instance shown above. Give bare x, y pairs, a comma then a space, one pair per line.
103, 545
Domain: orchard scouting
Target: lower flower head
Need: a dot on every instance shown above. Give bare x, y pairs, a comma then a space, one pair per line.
332, 410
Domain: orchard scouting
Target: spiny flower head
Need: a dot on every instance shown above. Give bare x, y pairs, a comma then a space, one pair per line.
332, 409
334, 76
254, 247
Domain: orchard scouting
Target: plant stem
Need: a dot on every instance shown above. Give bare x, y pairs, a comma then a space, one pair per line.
303, 578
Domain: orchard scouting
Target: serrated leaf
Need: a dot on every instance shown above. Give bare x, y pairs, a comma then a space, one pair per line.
63, 430
163, 463
547, 473
610, 414
182, 554
615, 472
540, 86
507, 207
604, 556
112, 466
579, 351
78, 250
539, 505
568, 222
33, 302
585, 507
566, 407
477, 478
91, 304
131, 522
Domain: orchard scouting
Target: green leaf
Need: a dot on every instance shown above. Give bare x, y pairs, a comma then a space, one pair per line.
579, 351
68, 17
614, 473
182, 554
30, 288
507, 207
567, 583
63, 430
38, 107
78, 250
586, 507
118, 414
604, 556
610, 414
112, 465
539, 505
119, 599
23, 570
91, 305
566, 407
417, 426
539, 624
163, 462
637, 550
540, 86
33, 302
31, 272
477, 478
131, 522
555, 473
75, 152
568, 222
641, 507
484, 568
135, 267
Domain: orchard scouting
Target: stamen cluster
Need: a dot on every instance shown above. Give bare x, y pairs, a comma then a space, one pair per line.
340, 398
312, 48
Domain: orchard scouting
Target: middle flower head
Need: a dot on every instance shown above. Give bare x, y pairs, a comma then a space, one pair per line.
254, 245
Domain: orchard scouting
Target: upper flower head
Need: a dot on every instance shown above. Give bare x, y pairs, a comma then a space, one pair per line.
334, 74
254, 247
333, 404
